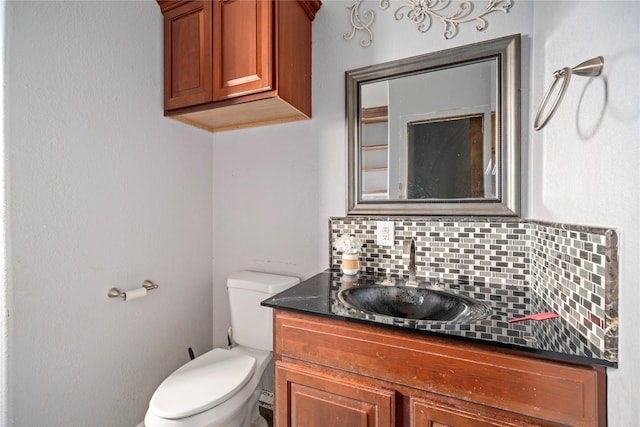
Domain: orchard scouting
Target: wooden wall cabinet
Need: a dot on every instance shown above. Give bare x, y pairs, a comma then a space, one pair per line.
231, 64
331, 372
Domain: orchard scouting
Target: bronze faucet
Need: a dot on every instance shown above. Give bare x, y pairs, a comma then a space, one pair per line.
409, 258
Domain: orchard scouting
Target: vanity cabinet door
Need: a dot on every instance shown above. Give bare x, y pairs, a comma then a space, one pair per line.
439, 411
314, 397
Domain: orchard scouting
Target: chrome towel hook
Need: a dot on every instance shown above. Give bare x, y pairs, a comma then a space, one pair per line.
589, 68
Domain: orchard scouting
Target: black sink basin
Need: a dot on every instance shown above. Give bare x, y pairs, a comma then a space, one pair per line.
410, 302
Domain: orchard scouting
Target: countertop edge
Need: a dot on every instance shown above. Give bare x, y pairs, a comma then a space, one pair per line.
280, 302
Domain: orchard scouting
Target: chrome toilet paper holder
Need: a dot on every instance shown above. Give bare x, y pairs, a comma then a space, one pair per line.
148, 285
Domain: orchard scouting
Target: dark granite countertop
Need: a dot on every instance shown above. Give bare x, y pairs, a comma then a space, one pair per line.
552, 338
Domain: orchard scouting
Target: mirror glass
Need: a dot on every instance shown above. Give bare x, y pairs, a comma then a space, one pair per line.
437, 134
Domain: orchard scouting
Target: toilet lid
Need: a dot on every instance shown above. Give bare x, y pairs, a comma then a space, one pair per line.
202, 384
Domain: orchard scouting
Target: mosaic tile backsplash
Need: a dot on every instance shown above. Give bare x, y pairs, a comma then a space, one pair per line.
574, 269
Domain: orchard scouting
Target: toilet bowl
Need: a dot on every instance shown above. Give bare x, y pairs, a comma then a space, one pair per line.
215, 389
221, 388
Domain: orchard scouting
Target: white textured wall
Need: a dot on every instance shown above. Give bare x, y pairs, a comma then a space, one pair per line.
585, 165
4, 327
275, 187
276, 201
103, 191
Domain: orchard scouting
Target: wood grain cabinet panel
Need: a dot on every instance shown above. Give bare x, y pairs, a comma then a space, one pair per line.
442, 382
439, 411
242, 51
315, 398
187, 62
232, 64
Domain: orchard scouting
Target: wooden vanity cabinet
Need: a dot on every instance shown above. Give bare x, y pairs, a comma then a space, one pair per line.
331, 372
231, 64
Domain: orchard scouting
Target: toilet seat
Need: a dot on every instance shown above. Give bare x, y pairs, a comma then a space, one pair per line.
202, 384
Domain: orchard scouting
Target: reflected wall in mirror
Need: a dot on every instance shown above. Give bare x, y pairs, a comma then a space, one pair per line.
437, 134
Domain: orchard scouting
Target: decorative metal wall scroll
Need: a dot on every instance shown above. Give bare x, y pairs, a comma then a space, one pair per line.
422, 13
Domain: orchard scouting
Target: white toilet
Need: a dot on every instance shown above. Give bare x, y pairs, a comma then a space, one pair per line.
221, 388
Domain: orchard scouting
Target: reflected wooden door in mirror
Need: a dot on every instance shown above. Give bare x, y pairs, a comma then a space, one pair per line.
439, 146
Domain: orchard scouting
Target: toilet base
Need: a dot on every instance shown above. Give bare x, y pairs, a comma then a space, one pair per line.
253, 417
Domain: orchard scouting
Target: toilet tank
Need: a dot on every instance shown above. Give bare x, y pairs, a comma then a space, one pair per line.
252, 324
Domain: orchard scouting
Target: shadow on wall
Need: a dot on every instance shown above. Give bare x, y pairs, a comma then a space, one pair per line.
597, 94
591, 107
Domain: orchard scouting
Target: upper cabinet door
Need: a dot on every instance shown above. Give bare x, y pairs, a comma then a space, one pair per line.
243, 47
188, 55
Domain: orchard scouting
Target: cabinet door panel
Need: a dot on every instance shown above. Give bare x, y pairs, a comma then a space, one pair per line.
314, 398
243, 45
187, 59
432, 410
